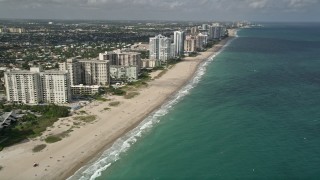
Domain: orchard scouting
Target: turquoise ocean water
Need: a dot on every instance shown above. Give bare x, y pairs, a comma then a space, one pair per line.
251, 113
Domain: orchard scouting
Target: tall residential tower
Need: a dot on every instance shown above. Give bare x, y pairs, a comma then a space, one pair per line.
179, 37
160, 48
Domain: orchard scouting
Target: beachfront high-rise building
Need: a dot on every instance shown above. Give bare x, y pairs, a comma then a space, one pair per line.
87, 72
194, 30
124, 66
73, 67
56, 87
201, 41
190, 44
216, 32
160, 48
212, 32
223, 31
122, 58
36, 86
205, 27
123, 73
179, 37
94, 72
23, 87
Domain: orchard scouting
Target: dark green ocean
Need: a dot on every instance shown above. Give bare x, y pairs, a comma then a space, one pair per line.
251, 113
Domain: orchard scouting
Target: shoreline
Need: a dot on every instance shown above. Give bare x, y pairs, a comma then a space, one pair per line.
62, 159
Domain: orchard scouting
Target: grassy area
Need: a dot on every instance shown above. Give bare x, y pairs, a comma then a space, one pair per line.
115, 103
82, 112
65, 133
53, 139
116, 91
131, 95
161, 74
86, 119
193, 54
76, 123
102, 99
138, 84
39, 147
106, 109
58, 137
30, 125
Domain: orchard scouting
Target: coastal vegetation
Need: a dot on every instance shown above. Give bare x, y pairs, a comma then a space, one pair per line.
53, 139
86, 119
211, 43
106, 109
34, 121
115, 103
116, 91
82, 112
39, 147
131, 95
99, 96
58, 137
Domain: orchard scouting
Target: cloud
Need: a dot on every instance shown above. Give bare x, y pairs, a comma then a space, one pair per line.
173, 4
301, 3
171, 9
257, 3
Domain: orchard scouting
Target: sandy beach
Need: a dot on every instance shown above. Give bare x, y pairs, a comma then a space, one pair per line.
61, 159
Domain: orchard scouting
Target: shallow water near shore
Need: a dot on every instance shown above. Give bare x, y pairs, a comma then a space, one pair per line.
253, 114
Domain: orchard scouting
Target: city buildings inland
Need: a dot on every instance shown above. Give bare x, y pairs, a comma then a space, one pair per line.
77, 76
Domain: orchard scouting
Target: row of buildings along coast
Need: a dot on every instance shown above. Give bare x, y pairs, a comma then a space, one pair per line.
77, 77
164, 48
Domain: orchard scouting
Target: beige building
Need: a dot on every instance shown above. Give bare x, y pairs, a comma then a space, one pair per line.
140, 47
122, 58
16, 30
150, 63
94, 72
73, 68
190, 44
201, 41
194, 30
87, 72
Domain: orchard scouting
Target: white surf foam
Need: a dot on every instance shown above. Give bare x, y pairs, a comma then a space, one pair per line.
111, 155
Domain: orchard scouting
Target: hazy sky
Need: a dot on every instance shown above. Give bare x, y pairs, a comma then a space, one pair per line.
228, 10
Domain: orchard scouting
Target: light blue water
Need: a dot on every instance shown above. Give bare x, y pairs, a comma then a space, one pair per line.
253, 115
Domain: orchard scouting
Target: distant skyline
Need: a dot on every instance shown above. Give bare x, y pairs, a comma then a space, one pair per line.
193, 10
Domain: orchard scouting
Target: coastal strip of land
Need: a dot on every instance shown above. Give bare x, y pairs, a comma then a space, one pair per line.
61, 159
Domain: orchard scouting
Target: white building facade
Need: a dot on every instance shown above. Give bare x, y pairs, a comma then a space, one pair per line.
56, 87
179, 37
201, 41
122, 73
36, 86
23, 87
160, 48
